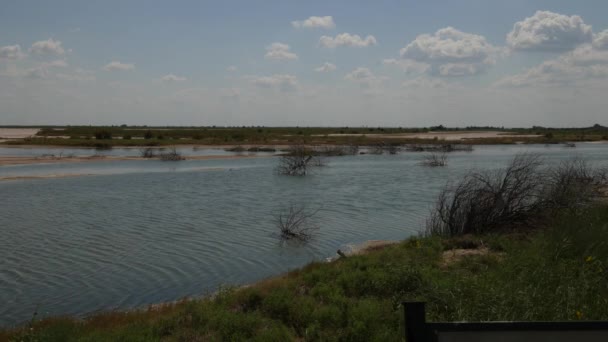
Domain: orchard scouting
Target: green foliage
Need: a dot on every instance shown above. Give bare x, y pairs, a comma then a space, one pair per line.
554, 273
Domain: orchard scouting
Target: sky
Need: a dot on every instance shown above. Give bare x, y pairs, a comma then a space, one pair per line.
406, 63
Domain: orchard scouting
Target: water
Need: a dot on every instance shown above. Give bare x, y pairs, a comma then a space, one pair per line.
132, 233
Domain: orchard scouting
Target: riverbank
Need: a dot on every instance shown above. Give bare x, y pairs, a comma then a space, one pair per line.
553, 270
124, 136
18, 160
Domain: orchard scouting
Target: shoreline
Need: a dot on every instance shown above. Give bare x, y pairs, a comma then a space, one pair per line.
17, 160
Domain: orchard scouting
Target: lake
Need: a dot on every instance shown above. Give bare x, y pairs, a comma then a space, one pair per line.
131, 233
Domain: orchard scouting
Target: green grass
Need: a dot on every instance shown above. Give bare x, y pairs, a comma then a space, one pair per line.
158, 136
557, 272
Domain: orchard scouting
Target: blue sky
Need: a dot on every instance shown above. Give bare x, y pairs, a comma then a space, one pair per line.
398, 63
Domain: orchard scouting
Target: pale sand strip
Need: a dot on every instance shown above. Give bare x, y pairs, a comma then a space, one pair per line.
12, 160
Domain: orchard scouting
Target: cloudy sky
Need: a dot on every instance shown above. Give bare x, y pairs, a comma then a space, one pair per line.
325, 63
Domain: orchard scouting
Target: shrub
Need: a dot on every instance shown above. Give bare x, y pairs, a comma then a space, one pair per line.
172, 155
126, 137
483, 202
103, 134
435, 160
148, 135
296, 162
296, 224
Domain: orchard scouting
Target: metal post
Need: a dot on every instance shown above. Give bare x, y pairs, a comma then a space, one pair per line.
415, 322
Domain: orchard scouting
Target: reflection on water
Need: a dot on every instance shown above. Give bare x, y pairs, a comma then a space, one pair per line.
140, 232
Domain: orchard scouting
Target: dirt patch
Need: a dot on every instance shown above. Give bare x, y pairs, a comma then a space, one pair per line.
17, 133
453, 256
448, 136
11, 160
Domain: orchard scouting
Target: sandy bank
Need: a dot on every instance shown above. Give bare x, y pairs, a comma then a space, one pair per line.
17, 133
451, 136
12, 160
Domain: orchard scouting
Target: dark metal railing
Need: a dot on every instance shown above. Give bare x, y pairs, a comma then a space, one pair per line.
417, 329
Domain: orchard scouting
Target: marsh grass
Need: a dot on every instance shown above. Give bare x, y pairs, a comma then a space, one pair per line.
554, 272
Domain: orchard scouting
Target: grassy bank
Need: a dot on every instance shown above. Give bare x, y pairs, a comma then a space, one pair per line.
108, 136
557, 271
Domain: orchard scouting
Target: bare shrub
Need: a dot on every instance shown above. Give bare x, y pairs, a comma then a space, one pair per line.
295, 224
297, 161
382, 147
435, 160
171, 155
147, 152
573, 183
487, 201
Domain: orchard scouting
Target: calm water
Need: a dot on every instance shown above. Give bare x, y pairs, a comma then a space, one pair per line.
131, 233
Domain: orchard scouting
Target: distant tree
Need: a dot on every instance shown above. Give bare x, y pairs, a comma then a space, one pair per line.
148, 134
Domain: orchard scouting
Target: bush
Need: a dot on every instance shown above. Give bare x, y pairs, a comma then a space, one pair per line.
435, 160
296, 224
484, 202
172, 155
103, 134
297, 161
148, 135
126, 137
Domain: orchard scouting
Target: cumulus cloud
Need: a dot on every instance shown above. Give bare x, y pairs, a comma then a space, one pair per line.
47, 47
171, 78
326, 22
11, 52
279, 51
347, 39
548, 31
365, 78
600, 40
424, 82
282, 82
326, 67
118, 66
407, 65
450, 52
583, 64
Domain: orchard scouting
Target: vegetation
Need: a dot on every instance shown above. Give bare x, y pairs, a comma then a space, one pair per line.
259, 135
296, 224
297, 161
488, 201
435, 160
555, 272
171, 155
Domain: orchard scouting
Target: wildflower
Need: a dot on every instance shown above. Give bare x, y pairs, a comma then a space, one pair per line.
579, 314
418, 244
589, 259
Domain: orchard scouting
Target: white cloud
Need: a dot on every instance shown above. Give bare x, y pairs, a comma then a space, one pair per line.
365, 78
424, 82
171, 78
47, 47
118, 66
232, 68
279, 51
281, 82
407, 65
326, 67
346, 39
11, 52
581, 65
60, 63
451, 52
326, 22
549, 31
600, 40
